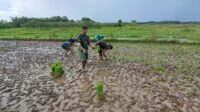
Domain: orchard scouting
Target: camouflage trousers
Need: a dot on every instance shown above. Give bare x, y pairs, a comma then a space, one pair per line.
83, 56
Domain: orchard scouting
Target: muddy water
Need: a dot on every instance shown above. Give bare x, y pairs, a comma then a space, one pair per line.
26, 84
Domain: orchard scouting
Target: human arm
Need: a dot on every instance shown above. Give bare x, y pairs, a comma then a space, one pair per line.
80, 44
89, 43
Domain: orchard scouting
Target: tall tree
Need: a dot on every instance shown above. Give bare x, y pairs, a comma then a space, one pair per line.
87, 19
120, 22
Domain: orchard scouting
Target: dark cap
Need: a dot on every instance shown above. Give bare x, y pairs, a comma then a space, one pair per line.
84, 27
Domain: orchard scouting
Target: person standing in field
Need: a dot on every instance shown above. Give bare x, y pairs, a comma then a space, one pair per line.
84, 41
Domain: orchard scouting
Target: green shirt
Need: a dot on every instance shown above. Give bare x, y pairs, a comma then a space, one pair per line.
84, 41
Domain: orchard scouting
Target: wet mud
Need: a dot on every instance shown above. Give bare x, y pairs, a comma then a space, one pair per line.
27, 86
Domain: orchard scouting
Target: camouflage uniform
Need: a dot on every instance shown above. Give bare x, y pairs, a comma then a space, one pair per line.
84, 41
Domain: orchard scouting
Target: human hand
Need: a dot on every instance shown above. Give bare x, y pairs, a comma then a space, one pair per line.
84, 50
93, 47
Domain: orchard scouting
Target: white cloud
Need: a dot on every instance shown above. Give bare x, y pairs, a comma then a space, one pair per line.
103, 10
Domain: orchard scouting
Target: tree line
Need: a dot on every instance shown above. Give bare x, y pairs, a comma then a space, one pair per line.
58, 21
55, 21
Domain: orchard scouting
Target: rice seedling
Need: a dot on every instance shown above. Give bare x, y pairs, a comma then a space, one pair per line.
100, 91
158, 69
97, 48
57, 69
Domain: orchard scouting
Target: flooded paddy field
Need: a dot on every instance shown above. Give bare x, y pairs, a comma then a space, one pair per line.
137, 78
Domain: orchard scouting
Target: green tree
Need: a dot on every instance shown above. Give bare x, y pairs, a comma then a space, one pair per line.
120, 22
65, 19
87, 19
133, 21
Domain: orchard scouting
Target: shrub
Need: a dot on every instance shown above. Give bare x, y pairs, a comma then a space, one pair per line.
57, 69
100, 90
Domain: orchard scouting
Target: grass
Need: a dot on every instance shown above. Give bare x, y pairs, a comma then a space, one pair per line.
158, 69
184, 58
171, 32
176, 64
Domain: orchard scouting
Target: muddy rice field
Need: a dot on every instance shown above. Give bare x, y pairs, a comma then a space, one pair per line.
27, 86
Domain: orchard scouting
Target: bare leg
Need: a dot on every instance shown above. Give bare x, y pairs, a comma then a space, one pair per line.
104, 54
101, 55
66, 51
71, 50
83, 66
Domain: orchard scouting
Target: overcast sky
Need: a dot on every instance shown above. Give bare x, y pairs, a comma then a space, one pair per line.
104, 10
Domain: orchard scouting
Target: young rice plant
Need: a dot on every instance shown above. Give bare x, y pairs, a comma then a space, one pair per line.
57, 69
100, 91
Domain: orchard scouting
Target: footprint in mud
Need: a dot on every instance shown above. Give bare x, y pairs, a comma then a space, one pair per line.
102, 70
87, 88
60, 80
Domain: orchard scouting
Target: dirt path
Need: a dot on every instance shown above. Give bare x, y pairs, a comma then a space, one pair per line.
26, 84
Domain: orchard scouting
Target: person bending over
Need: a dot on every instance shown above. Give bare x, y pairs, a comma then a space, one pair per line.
68, 45
103, 47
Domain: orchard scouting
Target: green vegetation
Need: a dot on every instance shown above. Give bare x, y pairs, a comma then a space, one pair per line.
158, 69
176, 64
183, 59
181, 33
100, 90
62, 28
55, 21
97, 48
57, 69
120, 23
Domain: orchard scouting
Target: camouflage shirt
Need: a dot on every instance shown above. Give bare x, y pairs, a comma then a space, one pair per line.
84, 41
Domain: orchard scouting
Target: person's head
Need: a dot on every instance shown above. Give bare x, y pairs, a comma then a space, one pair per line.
84, 29
110, 46
99, 37
72, 41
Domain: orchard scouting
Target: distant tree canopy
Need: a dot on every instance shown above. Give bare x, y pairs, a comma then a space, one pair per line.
120, 22
133, 21
87, 19
55, 21
58, 21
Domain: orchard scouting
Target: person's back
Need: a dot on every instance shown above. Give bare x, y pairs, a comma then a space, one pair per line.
103, 47
68, 45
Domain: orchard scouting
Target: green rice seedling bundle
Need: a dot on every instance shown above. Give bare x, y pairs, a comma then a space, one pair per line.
100, 91
57, 69
97, 48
